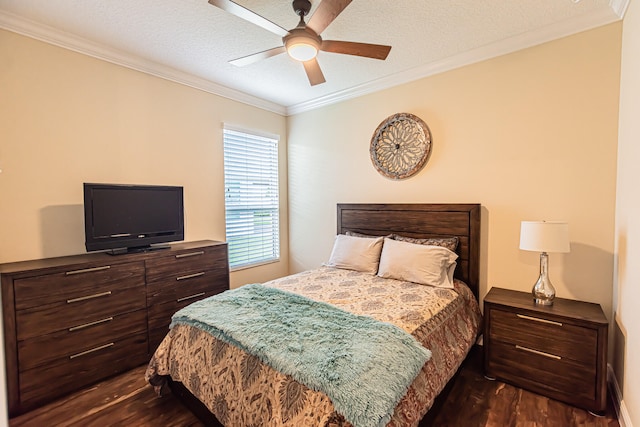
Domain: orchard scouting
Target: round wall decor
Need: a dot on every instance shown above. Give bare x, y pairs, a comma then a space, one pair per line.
400, 146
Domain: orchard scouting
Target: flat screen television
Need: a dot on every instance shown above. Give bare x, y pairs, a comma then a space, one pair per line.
132, 218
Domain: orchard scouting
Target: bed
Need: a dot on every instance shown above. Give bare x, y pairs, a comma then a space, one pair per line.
224, 385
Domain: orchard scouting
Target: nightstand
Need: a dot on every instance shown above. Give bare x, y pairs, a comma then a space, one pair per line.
559, 351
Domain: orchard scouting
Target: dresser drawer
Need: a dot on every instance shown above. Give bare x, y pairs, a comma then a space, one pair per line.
549, 336
186, 262
187, 287
75, 283
68, 373
89, 307
562, 377
159, 314
155, 338
79, 338
159, 325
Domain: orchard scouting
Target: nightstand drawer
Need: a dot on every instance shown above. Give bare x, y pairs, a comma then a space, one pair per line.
548, 336
543, 372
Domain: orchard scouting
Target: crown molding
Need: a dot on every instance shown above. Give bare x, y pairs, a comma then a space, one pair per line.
68, 41
503, 47
619, 7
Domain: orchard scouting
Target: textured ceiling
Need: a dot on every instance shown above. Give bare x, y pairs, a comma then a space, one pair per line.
191, 41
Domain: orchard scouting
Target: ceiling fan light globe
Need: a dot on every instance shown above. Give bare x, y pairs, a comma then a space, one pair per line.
302, 44
302, 51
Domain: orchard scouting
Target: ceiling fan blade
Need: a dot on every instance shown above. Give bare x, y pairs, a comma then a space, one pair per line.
375, 51
247, 15
255, 57
314, 73
325, 13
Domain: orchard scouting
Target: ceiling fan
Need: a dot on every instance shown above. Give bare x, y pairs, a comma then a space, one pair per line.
303, 42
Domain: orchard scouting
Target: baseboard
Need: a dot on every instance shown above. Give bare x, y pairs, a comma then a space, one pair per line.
618, 402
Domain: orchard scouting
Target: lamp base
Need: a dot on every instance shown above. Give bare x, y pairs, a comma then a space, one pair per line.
543, 291
540, 301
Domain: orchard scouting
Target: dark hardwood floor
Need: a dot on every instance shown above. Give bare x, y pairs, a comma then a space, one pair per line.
472, 401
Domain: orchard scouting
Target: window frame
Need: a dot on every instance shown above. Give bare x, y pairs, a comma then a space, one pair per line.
267, 181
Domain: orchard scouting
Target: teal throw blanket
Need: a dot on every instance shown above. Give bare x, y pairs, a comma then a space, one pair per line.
365, 366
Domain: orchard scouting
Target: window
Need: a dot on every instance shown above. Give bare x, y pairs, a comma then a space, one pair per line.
251, 198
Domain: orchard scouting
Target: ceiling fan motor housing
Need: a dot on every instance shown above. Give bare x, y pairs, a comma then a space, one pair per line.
301, 7
304, 34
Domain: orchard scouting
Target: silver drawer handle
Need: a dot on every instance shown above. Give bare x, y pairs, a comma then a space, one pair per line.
540, 353
86, 325
190, 276
535, 319
87, 270
190, 254
101, 294
102, 347
190, 297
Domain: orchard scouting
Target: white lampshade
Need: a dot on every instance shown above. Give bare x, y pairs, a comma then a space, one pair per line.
544, 236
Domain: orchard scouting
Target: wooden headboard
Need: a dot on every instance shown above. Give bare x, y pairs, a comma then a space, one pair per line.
421, 221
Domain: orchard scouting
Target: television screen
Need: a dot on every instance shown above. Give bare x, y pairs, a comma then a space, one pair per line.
132, 217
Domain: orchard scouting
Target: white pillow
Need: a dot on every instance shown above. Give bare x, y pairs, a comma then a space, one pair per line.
356, 253
423, 264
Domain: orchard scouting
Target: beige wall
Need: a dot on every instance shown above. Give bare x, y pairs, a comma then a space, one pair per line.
627, 287
67, 118
531, 135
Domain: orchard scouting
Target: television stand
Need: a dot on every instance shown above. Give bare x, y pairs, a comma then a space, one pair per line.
74, 320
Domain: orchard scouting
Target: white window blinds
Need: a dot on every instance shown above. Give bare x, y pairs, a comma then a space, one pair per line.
251, 198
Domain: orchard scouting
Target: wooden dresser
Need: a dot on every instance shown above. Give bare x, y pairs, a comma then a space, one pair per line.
72, 321
559, 351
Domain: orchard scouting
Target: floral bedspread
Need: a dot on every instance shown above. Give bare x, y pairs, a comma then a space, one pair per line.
242, 391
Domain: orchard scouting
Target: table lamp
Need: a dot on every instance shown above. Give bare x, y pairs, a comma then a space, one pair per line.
544, 237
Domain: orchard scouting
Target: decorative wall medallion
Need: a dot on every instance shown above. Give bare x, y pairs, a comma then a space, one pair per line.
400, 146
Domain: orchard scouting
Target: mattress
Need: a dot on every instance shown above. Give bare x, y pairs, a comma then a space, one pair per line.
242, 391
